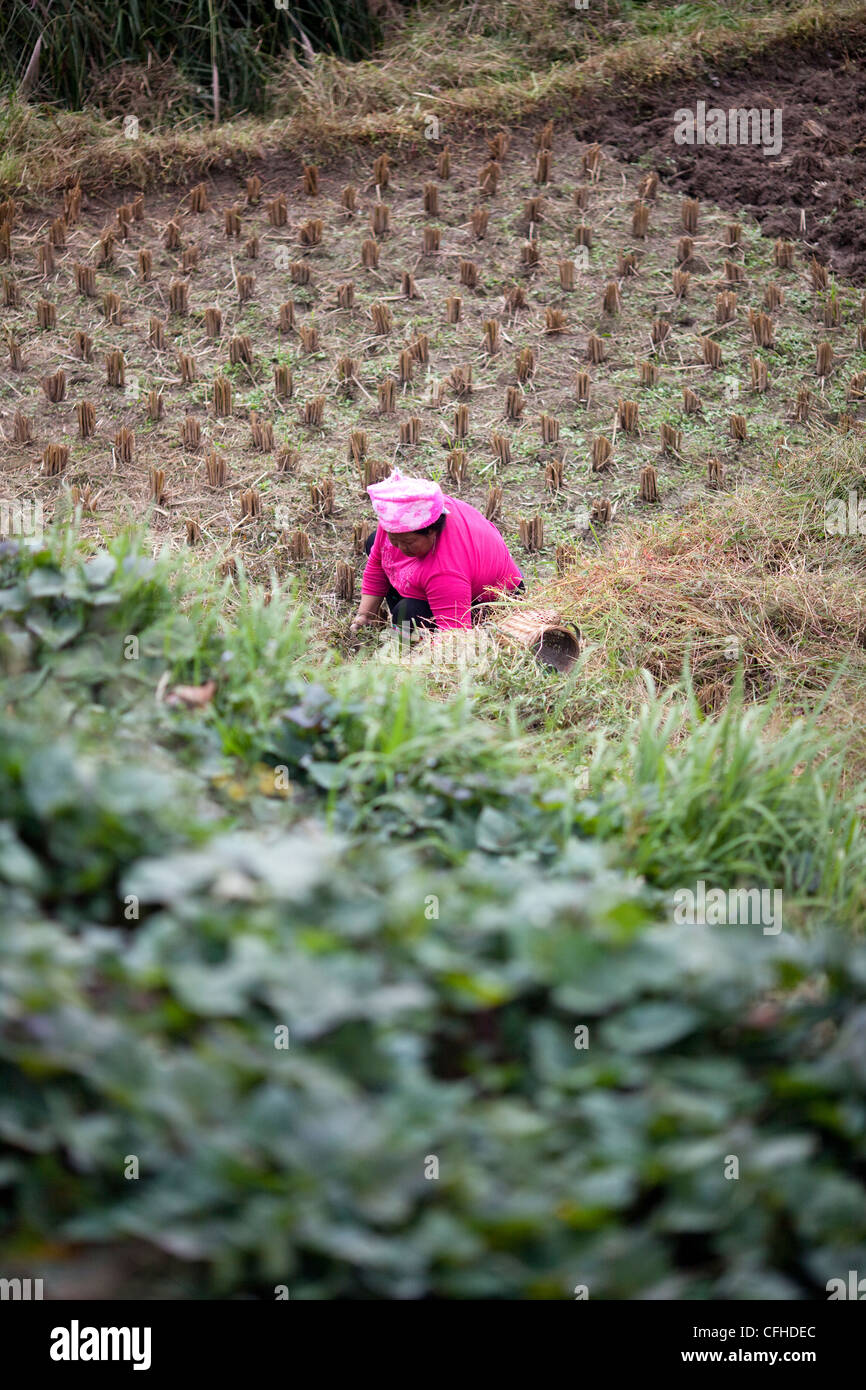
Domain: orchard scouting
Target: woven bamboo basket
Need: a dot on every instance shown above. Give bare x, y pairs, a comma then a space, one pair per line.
552, 641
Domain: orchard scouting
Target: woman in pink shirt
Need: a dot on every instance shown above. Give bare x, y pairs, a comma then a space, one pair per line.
432, 558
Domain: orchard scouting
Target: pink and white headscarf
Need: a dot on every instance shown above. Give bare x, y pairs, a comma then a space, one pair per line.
406, 504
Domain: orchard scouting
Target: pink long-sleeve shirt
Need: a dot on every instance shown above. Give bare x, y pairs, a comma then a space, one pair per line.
469, 560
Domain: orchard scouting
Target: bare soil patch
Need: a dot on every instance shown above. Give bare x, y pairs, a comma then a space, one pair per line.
819, 175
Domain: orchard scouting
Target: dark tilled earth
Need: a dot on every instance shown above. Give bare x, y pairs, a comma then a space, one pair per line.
820, 172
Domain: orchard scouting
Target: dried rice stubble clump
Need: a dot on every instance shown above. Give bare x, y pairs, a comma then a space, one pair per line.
191, 433
222, 397
85, 280
640, 219
410, 430
374, 471
313, 413
670, 438
738, 428
85, 412
250, 504
405, 367
461, 422
277, 210
648, 372
22, 429
689, 211
198, 198
322, 496
492, 341
261, 434
178, 296
456, 467
124, 444
493, 504
216, 470
16, 354
156, 480
515, 403
602, 453
824, 356
531, 532
309, 336
286, 459
188, 368
241, 350
310, 233
549, 427
54, 386
681, 281
344, 581
761, 326
387, 393
525, 363
759, 374
566, 557
711, 353
553, 475
283, 382
501, 447
298, 545
357, 447
595, 350
55, 458
649, 484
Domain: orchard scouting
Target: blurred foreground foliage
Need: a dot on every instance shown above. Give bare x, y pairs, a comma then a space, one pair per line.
429, 927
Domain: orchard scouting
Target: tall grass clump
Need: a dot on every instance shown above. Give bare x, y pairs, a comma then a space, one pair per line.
80, 38
733, 801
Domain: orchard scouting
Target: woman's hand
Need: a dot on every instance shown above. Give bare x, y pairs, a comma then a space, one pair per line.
368, 612
362, 620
